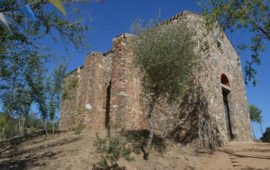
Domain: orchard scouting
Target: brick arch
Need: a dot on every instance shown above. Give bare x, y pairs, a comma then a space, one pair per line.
224, 80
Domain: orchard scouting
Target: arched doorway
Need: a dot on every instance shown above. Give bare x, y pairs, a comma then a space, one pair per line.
225, 86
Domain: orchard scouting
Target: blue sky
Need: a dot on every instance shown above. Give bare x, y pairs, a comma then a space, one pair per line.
114, 17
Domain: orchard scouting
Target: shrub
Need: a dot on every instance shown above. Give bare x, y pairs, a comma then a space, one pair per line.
111, 149
78, 128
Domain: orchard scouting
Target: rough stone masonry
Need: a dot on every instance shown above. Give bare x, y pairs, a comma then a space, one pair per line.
107, 91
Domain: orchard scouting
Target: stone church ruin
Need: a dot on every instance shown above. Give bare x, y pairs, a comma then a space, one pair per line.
106, 91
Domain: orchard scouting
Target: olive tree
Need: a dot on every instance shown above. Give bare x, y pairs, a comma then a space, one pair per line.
165, 56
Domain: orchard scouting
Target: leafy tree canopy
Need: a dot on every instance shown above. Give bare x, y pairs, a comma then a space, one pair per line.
165, 55
23, 56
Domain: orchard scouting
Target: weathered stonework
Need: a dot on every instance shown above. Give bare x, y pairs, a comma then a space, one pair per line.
109, 91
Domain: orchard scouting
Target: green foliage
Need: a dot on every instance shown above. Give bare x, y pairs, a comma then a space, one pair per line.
69, 86
255, 114
8, 128
33, 123
54, 91
24, 58
266, 135
111, 149
250, 15
165, 55
9, 125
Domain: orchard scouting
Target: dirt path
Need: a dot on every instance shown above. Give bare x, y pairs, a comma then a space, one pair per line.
238, 156
67, 151
248, 156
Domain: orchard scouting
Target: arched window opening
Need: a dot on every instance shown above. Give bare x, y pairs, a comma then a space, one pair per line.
225, 80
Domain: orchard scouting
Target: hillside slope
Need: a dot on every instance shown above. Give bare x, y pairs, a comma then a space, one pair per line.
69, 151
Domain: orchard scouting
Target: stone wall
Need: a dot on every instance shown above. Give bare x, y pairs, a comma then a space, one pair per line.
70, 100
126, 104
223, 59
109, 92
88, 100
95, 81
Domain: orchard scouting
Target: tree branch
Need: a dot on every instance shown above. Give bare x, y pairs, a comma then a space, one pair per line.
18, 8
267, 34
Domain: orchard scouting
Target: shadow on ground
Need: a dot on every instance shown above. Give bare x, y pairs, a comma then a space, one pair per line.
15, 156
139, 139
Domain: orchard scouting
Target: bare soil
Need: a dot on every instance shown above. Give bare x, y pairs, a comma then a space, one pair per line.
67, 151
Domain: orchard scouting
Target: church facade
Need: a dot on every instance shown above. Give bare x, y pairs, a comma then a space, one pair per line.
106, 91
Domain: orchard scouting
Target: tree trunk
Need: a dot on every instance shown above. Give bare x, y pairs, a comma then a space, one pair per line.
148, 146
261, 128
3, 131
21, 126
45, 127
254, 137
24, 131
251, 129
52, 128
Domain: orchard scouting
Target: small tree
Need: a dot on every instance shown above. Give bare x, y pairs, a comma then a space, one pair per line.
112, 148
54, 92
165, 56
255, 116
47, 94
